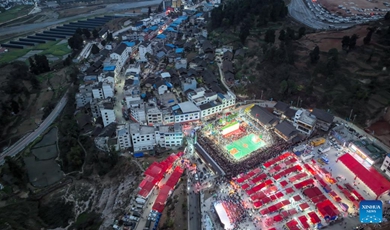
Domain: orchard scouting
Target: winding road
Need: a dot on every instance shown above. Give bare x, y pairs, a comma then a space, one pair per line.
25, 141
109, 9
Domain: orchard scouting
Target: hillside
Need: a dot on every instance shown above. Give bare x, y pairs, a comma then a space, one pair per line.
278, 64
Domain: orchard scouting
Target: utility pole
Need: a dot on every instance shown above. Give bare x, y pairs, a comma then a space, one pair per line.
298, 101
354, 116
350, 114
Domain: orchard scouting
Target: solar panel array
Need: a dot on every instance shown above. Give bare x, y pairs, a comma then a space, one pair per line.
59, 33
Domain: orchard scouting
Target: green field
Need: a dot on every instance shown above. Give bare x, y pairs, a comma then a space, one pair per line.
14, 12
244, 146
48, 48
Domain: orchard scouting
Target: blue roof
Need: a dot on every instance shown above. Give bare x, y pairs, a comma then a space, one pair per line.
146, 30
170, 29
179, 50
109, 68
221, 95
198, 15
175, 107
169, 85
170, 45
129, 44
161, 36
153, 28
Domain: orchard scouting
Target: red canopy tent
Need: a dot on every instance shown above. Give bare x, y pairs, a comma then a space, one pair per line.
251, 174
292, 225
259, 178
304, 206
340, 187
146, 189
303, 220
278, 218
245, 186
273, 197
264, 211
279, 195
372, 178
272, 208
360, 198
284, 183
349, 187
304, 183
250, 191
297, 198
285, 202
310, 169
285, 214
242, 179
175, 177
292, 211
266, 200
289, 190
279, 205
312, 192
326, 208
314, 219
257, 196
257, 204
272, 229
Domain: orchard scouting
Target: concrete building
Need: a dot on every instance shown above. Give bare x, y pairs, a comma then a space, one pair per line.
133, 69
84, 96
170, 136
342, 135
106, 139
123, 136
161, 86
181, 63
386, 165
103, 90
368, 151
137, 111
142, 136
154, 115
120, 55
304, 122
200, 96
324, 119
286, 131
183, 112
143, 49
188, 83
107, 113
265, 118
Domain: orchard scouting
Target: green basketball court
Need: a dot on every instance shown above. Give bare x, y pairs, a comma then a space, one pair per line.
244, 146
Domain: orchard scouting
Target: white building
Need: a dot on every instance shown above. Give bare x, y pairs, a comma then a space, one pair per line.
103, 90
169, 136
120, 55
108, 77
183, 112
123, 136
217, 106
188, 83
137, 111
84, 96
181, 63
107, 113
154, 115
303, 122
386, 165
200, 96
142, 136
161, 87
133, 69
143, 49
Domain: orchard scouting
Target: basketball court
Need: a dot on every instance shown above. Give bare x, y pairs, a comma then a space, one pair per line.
244, 146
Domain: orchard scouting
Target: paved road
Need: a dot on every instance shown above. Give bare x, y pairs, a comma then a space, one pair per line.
299, 11
202, 152
109, 9
21, 144
194, 210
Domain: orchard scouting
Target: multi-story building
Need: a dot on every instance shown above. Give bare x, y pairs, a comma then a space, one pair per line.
123, 136
386, 165
285, 130
108, 77
304, 122
120, 55
182, 112
324, 119
137, 111
213, 107
103, 90
200, 96
169, 136
142, 136
188, 83
181, 63
84, 96
133, 69
143, 49
107, 113
154, 116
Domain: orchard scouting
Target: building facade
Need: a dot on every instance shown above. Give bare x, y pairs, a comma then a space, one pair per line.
123, 136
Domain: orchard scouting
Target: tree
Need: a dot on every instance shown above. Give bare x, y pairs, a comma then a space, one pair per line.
367, 39
86, 33
149, 11
95, 33
333, 57
103, 42
39, 64
109, 37
269, 36
76, 42
282, 35
345, 42
95, 49
315, 55
301, 32
79, 31
387, 16
16, 170
352, 41
244, 31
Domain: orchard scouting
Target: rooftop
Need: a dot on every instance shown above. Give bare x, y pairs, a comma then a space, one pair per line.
188, 107
370, 149
306, 118
122, 130
323, 115
141, 129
